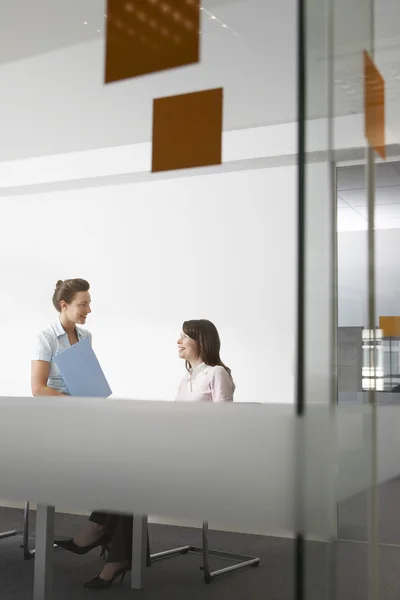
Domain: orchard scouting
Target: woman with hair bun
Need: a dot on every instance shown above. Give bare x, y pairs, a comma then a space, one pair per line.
72, 300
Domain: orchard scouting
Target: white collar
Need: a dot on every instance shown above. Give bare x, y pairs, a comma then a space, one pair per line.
59, 329
198, 369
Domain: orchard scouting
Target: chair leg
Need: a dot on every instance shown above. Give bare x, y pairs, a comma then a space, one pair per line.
241, 561
25, 535
169, 553
7, 534
206, 555
28, 553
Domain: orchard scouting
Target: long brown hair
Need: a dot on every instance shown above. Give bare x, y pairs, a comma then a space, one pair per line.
208, 341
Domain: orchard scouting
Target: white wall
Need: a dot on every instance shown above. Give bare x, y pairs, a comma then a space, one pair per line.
218, 246
353, 276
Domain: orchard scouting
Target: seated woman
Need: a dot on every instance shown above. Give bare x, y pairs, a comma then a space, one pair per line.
207, 379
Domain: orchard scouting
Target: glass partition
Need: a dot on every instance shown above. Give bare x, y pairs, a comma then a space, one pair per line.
100, 179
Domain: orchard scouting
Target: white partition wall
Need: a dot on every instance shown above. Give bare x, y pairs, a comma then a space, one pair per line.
218, 246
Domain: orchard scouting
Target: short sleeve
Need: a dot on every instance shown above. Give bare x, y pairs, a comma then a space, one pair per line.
222, 386
42, 349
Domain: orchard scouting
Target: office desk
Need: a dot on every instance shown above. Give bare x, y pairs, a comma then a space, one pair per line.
44, 554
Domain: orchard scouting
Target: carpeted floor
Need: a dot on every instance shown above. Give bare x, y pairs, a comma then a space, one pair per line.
353, 515
180, 579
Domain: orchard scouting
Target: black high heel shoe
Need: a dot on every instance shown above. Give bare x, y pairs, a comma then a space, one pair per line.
70, 545
97, 583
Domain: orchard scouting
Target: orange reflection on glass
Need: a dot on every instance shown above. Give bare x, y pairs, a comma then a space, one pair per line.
390, 326
187, 130
374, 106
146, 36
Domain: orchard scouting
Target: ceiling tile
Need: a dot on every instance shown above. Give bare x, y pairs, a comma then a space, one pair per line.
353, 197
383, 195
396, 166
353, 178
382, 211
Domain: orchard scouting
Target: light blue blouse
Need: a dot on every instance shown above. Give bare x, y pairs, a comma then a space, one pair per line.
50, 342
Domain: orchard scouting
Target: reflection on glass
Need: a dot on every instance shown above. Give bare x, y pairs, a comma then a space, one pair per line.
391, 363
372, 369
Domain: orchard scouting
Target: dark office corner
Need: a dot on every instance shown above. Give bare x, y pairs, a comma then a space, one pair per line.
180, 579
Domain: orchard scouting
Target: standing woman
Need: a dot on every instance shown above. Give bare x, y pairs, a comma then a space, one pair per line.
72, 300
208, 379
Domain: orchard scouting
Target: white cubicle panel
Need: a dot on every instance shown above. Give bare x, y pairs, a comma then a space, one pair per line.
227, 463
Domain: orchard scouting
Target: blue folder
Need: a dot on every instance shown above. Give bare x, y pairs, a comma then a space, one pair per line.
82, 372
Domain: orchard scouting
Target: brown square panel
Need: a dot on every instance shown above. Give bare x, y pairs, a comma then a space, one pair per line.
390, 326
146, 36
187, 130
374, 101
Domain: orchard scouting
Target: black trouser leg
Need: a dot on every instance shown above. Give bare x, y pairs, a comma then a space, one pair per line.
121, 543
98, 517
108, 522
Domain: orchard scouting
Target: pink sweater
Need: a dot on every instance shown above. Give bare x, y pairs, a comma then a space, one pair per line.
206, 384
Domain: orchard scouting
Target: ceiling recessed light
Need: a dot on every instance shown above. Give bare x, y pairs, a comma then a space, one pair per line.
98, 31
85, 22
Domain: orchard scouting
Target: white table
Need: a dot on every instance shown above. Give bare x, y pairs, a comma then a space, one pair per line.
44, 553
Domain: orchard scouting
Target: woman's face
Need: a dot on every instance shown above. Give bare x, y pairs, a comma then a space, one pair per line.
187, 348
78, 310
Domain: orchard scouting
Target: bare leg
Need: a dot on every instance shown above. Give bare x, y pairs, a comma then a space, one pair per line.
120, 553
91, 533
98, 525
110, 569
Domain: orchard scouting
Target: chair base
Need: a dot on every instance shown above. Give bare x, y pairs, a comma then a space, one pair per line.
7, 534
28, 553
243, 561
240, 561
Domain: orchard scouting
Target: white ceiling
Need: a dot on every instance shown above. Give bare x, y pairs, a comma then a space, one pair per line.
31, 27
353, 203
57, 102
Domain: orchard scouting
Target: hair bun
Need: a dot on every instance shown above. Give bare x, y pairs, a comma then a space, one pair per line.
59, 282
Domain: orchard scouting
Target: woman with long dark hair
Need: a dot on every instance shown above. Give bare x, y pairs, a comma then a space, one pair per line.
207, 379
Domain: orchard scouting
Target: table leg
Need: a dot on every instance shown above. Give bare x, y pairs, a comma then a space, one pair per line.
7, 534
43, 577
139, 552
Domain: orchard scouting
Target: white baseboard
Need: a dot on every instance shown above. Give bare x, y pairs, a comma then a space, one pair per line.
32, 505
163, 521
